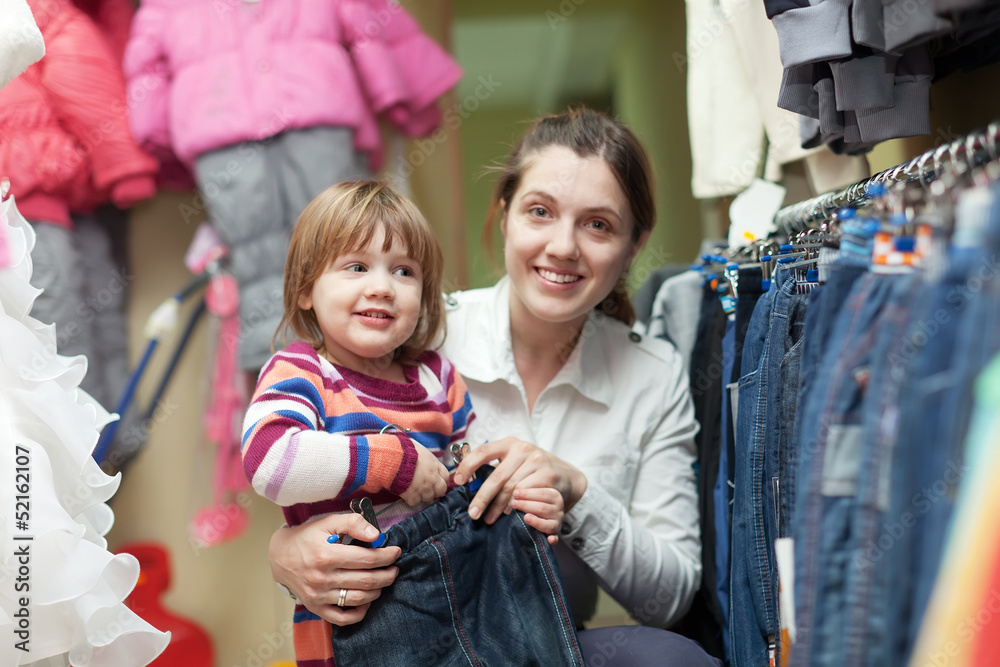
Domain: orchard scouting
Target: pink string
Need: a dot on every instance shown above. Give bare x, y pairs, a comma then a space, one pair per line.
224, 416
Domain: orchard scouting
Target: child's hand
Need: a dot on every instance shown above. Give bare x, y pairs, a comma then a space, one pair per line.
430, 479
543, 509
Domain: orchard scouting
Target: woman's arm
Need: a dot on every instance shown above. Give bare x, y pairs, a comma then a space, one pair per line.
646, 554
315, 571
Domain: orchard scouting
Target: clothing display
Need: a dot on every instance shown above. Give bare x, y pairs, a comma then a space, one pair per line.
268, 105
852, 407
737, 131
635, 529
69, 587
315, 434
859, 73
67, 117
466, 593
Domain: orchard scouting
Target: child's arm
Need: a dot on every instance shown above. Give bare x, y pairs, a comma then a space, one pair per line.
289, 461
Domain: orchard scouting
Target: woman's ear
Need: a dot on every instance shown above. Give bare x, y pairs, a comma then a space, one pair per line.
503, 217
643, 237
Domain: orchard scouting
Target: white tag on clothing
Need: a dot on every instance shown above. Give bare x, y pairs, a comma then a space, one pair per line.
751, 215
784, 555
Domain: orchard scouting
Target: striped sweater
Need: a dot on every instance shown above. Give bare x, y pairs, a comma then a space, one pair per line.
311, 439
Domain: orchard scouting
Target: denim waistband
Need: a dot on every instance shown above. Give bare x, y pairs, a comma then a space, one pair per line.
435, 519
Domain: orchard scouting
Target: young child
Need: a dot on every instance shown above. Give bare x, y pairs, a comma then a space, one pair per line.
362, 406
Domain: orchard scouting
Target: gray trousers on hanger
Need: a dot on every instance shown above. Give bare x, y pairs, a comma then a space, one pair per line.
254, 192
85, 279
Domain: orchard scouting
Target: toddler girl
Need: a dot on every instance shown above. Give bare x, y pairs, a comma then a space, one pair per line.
362, 406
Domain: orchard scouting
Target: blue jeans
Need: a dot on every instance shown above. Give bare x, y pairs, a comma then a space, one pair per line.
828, 464
753, 616
466, 594
868, 591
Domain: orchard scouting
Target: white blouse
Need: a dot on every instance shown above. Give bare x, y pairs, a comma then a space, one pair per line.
620, 411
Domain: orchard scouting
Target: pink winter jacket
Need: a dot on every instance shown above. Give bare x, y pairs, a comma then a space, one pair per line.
207, 74
64, 132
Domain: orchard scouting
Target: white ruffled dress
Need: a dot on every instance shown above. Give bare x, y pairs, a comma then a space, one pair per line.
61, 590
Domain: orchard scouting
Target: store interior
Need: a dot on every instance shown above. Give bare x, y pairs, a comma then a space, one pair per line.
520, 59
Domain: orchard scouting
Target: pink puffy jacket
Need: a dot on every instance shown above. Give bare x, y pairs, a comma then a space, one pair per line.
204, 74
64, 134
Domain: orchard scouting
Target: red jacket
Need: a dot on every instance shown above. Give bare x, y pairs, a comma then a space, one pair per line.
64, 134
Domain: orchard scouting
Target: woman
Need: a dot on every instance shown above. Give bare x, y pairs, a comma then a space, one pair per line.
566, 396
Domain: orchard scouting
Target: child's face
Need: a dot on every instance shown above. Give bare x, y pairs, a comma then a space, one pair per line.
367, 304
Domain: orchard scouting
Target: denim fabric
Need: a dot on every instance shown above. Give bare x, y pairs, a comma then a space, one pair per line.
466, 594
868, 573
703, 621
720, 491
791, 346
829, 459
827, 323
640, 646
753, 597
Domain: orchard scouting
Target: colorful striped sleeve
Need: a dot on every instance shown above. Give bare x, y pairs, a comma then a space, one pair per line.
289, 454
459, 401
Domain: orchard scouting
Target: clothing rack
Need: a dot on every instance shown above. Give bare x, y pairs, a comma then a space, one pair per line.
967, 152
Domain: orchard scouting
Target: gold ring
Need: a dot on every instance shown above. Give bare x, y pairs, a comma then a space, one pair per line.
343, 597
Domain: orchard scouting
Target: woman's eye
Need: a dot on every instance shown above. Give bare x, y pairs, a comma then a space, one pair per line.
538, 211
600, 225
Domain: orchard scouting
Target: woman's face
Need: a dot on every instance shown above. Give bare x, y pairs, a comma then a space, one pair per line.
567, 236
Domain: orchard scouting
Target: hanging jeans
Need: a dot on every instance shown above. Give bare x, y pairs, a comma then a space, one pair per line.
753, 600
466, 594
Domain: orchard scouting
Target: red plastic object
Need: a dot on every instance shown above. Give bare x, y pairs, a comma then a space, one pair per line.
190, 645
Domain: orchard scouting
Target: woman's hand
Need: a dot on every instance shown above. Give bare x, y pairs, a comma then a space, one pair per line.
316, 571
522, 466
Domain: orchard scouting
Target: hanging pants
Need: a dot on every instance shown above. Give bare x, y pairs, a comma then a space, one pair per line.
85, 281
254, 193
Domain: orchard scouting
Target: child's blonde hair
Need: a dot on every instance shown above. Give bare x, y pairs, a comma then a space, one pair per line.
343, 219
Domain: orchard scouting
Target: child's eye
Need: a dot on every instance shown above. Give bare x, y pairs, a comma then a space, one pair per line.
406, 272
356, 268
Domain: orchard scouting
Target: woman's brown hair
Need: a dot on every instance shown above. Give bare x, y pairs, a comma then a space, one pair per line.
587, 133
345, 218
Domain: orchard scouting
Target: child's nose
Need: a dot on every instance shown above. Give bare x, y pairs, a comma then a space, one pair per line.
380, 284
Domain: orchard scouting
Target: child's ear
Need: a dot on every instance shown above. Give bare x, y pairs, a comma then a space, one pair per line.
305, 300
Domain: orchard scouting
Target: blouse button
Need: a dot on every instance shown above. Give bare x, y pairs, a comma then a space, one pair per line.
634, 337
577, 543
565, 528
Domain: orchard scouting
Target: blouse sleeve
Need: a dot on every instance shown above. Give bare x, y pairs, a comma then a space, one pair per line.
289, 458
647, 554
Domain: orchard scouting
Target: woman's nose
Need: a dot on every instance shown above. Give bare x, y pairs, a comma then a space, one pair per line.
564, 243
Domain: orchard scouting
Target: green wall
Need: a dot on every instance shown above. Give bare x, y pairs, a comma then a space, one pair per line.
647, 92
